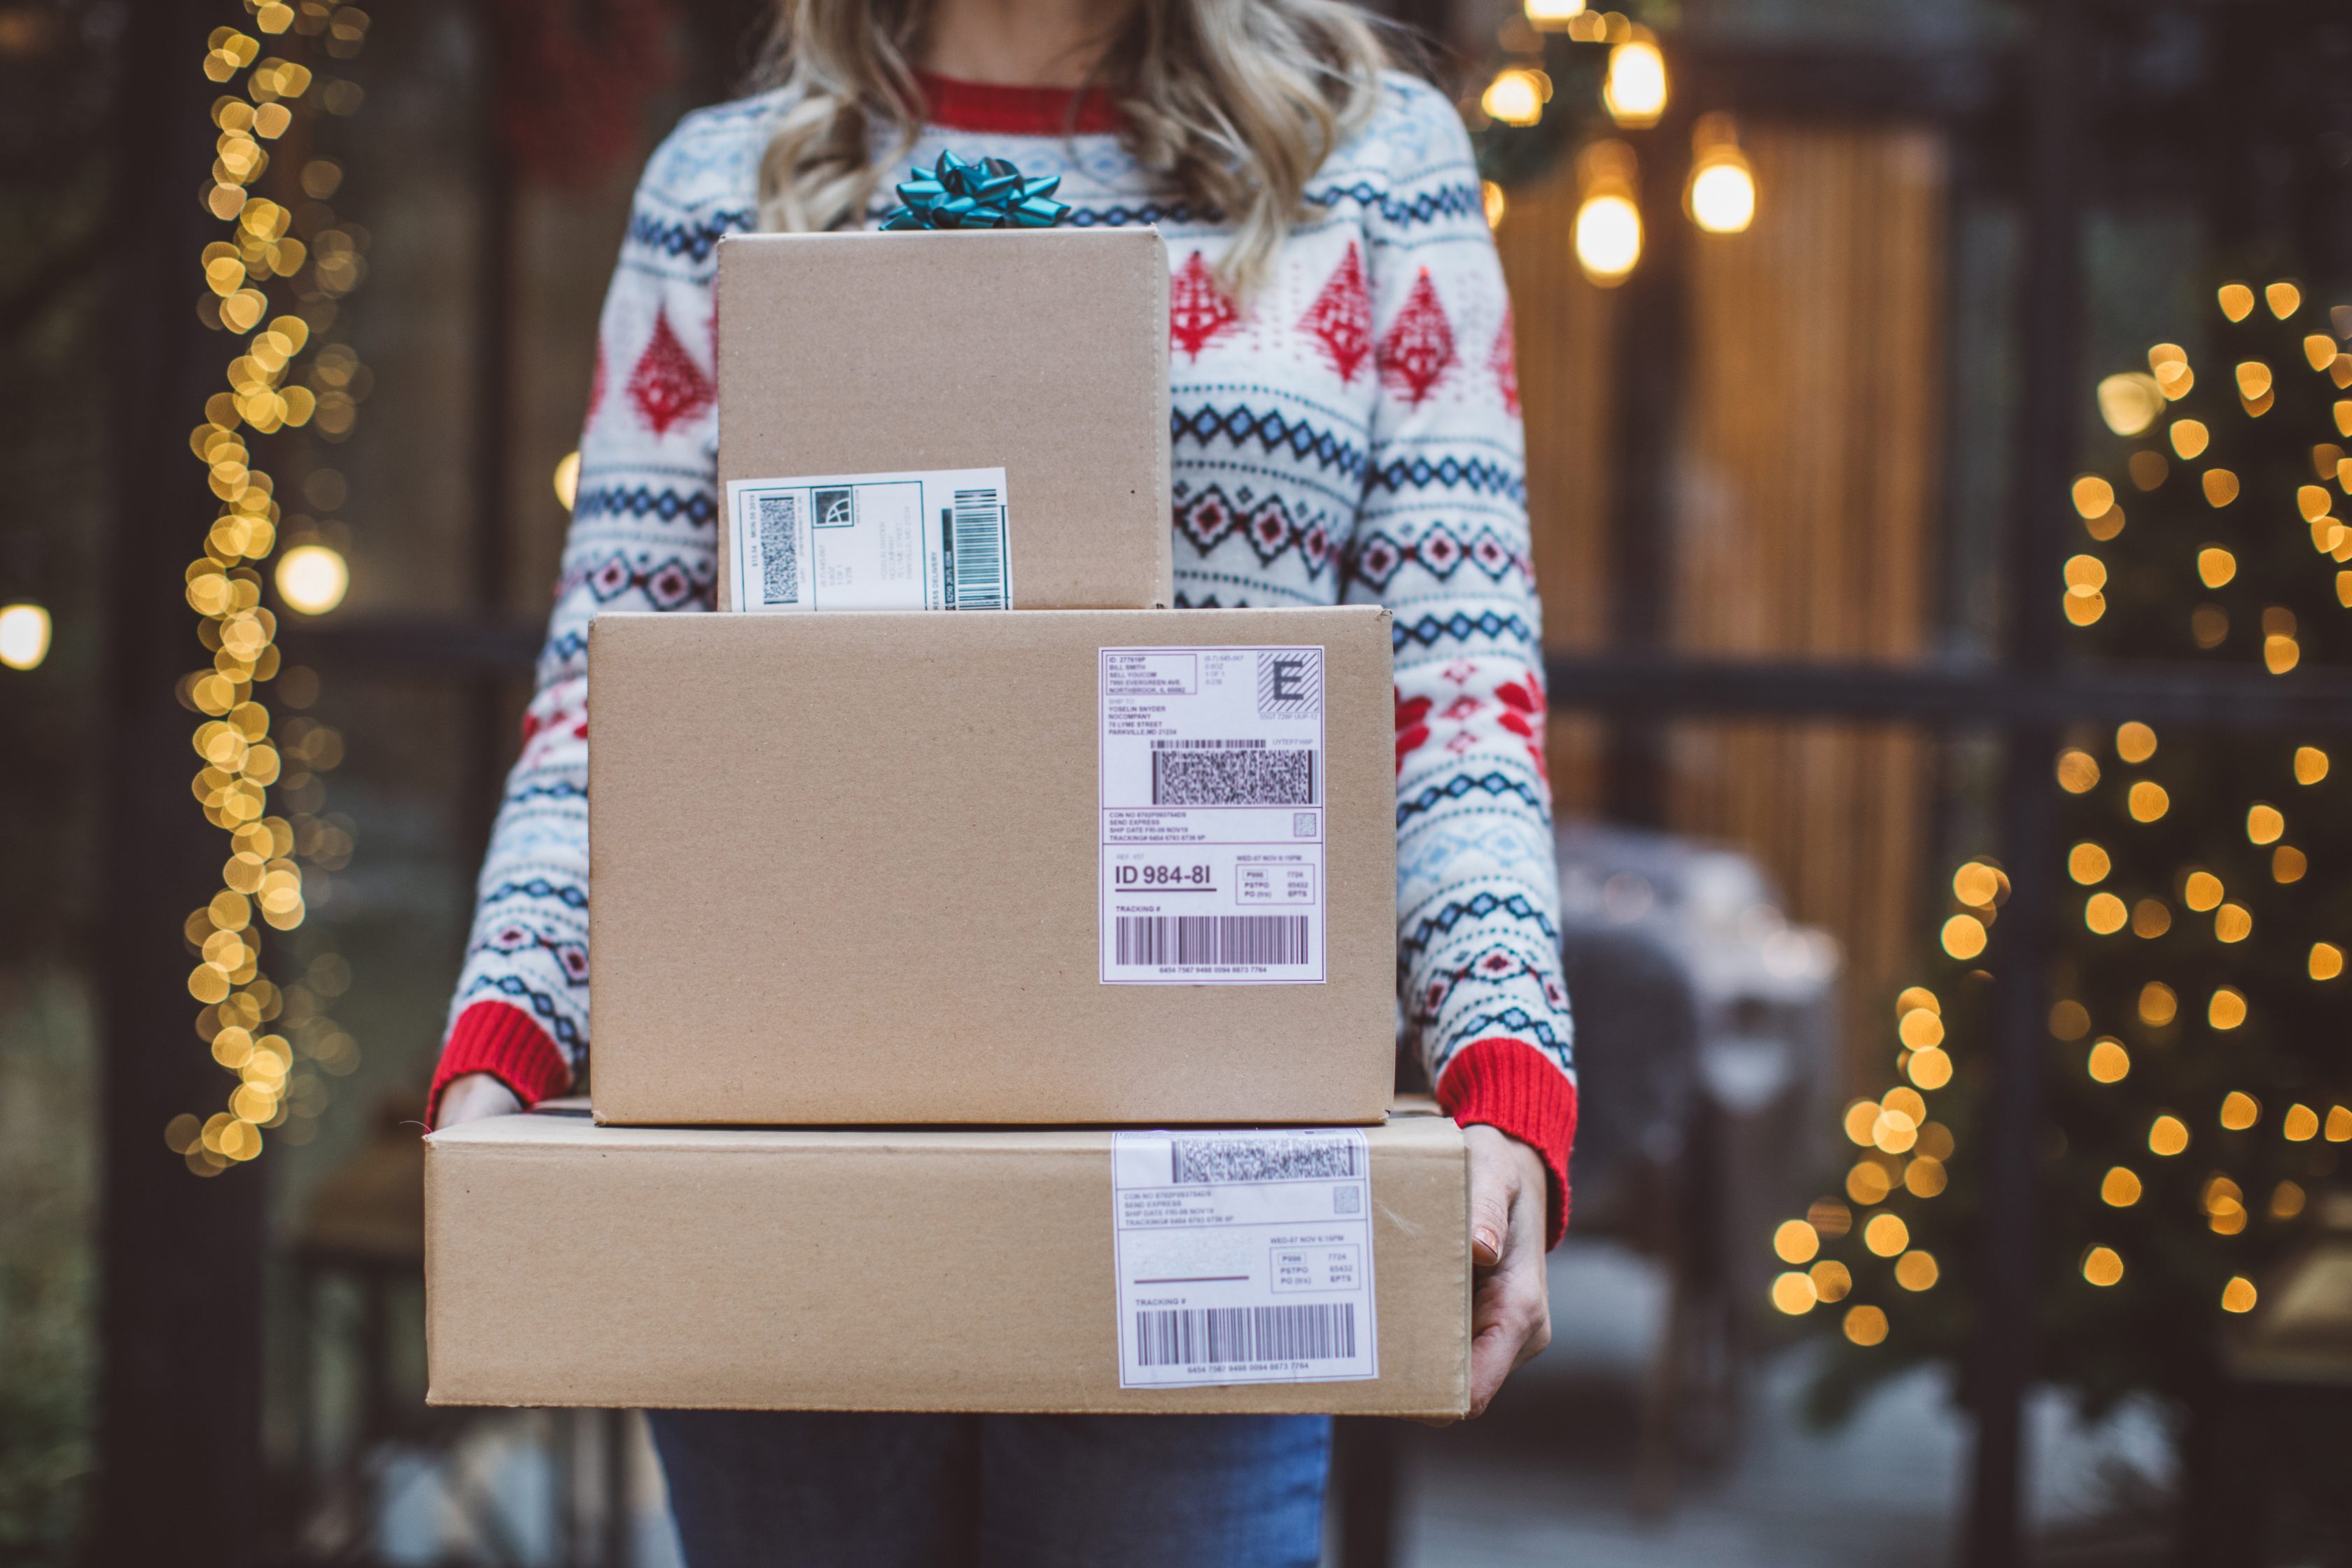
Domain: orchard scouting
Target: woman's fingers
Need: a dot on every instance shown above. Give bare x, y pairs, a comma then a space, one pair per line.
1510, 1312
473, 1096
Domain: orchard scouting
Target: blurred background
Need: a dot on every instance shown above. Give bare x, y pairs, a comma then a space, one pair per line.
1937, 416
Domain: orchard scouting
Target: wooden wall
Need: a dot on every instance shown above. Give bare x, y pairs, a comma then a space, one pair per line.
1805, 512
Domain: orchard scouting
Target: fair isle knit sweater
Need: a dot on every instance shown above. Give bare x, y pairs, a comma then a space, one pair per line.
1349, 432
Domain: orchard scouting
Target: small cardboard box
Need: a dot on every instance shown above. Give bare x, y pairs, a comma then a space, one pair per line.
881, 868
570, 1264
1042, 352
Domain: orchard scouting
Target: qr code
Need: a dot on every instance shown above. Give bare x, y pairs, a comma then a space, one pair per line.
780, 549
1232, 778
1265, 1158
1290, 683
1348, 1200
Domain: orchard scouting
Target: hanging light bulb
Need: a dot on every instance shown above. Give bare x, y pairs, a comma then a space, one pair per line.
23, 636
312, 578
1636, 89
1721, 195
1515, 97
1553, 15
1608, 212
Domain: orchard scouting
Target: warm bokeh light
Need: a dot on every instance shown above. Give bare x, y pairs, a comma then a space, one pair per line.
2239, 1111
1796, 1242
1964, 937
2130, 401
2327, 961
23, 636
1930, 1069
1887, 1234
2168, 1136
2135, 741
2215, 566
2108, 1061
1832, 1280
1722, 197
2300, 1124
1491, 197
2265, 824
312, 578
1514, 96
2102, 1266
2121, 1189
1920, 1029
1634, 91
567, 479
1793, 1293
2158, 1005
2310, 764
2105, 913
1608, 237
1917, 1270
2088, 864
1865, 1326
2227, 1010
2239, 1295
1554, 15
2236, 301
2078, 771
2283, 297
2189, 437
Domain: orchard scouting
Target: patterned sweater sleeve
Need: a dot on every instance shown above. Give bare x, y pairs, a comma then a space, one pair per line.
642, 538
1442, 540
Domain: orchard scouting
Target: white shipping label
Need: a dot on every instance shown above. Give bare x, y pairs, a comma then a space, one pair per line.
932, 540
1212, 811
1244, 1257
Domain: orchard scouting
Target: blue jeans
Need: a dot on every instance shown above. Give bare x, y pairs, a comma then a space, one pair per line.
995, 1491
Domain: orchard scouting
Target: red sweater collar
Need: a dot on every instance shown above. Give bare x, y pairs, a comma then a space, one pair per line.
955, 105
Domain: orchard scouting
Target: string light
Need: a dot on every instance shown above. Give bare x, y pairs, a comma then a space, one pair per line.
1634, 90
243, 755
1608, 233
23, 636
1721, 195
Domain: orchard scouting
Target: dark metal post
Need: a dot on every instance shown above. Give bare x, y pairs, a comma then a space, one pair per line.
181, 1257
2051, 281
488, 742
1649, 387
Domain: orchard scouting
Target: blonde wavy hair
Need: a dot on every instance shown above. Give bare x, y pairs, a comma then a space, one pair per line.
1237, 102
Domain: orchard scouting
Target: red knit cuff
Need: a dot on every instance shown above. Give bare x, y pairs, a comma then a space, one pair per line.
501, 1040
1512, 1086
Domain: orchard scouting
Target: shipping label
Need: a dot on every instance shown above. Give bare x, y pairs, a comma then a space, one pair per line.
1213, 816
930, 540
1244, 1257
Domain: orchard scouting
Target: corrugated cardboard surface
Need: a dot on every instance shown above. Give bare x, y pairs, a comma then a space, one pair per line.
570, 1264
1042, 353
845, 872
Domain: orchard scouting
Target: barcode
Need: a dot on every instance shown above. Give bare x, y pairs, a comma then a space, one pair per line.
1212, 939
1232, 776
780, 546
1214, 1336
1241, 745
1263, 1159
976, 551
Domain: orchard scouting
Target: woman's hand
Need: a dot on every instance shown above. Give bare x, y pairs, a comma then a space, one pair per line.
1510, 1307
478, 1094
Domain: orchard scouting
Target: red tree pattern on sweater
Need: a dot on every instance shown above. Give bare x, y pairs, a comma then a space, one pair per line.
1419, 349
1341, 320
1197, 308
667, 385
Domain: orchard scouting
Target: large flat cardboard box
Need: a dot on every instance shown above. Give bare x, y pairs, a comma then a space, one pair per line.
1012, 1269
1013, 866
860, 356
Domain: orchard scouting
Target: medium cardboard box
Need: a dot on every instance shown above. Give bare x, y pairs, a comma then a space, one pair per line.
571, 1264
906, 869
1043, 353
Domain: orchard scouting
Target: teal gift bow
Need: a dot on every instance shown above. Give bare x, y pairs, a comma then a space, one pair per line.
990, 194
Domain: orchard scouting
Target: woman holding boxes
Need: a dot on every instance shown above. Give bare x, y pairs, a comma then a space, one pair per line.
1346, 430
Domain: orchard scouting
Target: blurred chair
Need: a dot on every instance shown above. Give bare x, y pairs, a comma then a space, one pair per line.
1704, 1041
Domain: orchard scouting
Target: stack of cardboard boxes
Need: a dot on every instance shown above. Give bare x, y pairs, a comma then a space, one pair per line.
907, 924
